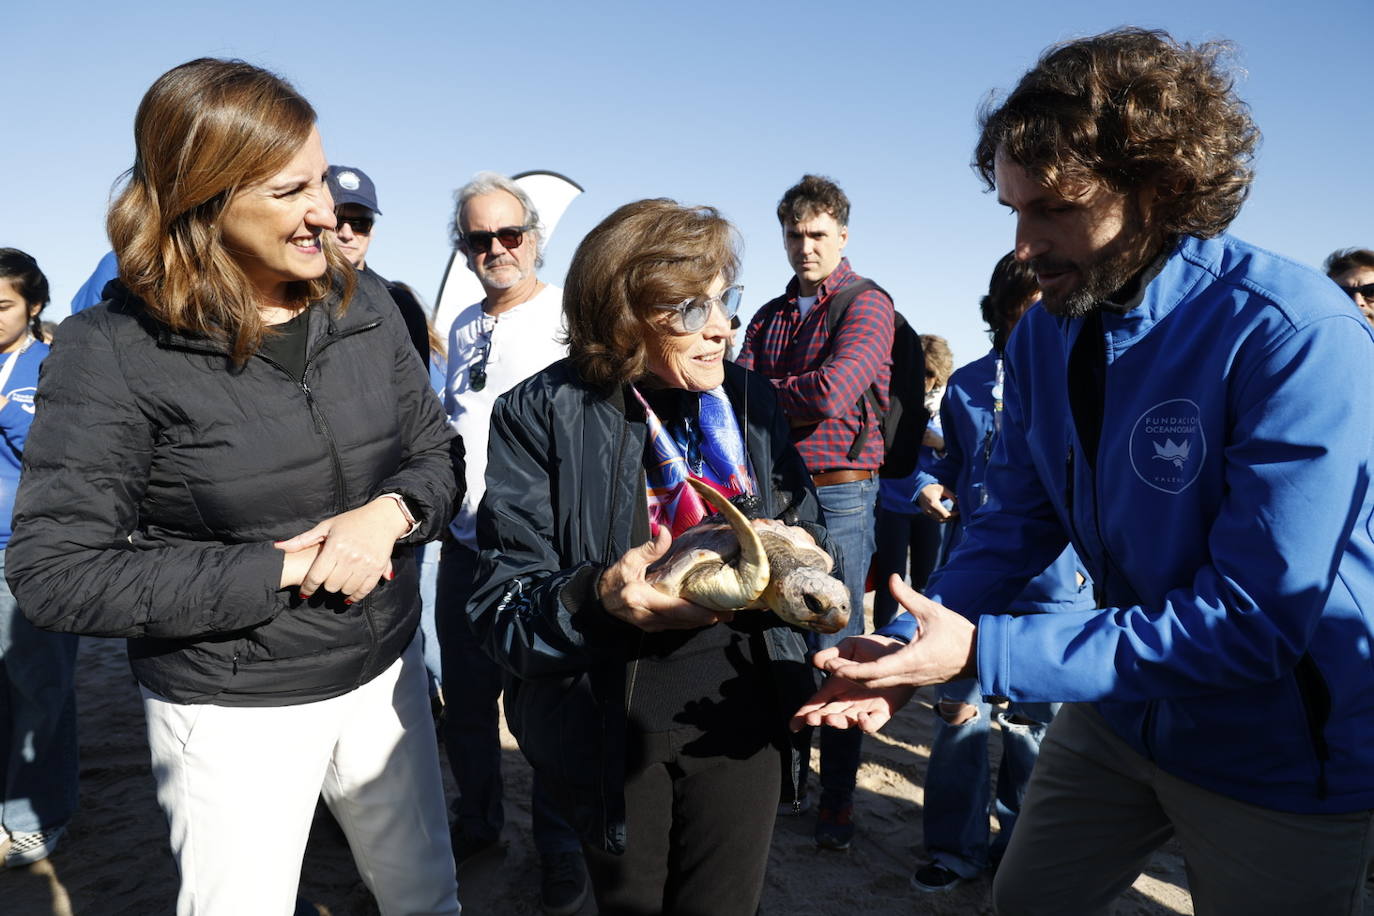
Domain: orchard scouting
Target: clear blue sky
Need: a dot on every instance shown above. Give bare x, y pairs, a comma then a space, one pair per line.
706, 102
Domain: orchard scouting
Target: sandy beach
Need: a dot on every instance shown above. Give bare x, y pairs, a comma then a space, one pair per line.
115, 860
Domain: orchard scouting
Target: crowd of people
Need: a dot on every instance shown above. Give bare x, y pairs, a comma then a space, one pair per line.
1139, 536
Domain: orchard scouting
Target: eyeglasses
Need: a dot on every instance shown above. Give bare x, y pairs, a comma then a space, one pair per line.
510, 238
1366, 290
361, 224
693, 313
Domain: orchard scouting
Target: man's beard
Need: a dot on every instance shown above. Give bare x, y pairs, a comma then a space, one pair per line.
505, 279
1109, 270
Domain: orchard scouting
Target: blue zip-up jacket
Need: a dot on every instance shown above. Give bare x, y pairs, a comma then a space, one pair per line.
1228, 527
898, 494
15, 418
966, 416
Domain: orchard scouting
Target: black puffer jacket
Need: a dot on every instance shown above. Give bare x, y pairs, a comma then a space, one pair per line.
157, 477
567, 501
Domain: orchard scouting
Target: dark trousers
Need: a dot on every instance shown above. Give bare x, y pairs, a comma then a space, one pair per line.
901, 536
472, 688
697, 831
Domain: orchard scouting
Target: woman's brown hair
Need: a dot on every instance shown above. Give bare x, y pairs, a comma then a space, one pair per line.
645, 253
204, 131
1125, 109
939, 359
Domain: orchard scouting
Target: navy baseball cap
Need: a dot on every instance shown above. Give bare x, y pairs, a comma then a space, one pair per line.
348, 185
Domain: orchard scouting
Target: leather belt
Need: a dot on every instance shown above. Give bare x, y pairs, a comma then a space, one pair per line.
830, 478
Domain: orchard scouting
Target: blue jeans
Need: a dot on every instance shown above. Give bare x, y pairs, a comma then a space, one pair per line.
848, 510
472, 687
38, 769
427, 559
955, 817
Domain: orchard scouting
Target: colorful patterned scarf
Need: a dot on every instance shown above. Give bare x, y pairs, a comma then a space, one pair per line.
708, 447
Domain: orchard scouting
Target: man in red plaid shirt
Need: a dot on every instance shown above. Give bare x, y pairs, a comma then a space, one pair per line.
821, 377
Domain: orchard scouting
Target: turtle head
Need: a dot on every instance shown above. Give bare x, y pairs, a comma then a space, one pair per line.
811, 598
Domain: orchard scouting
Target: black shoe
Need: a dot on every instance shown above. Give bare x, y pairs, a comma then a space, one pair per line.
562, 883
835, 827
467, 846
935, 878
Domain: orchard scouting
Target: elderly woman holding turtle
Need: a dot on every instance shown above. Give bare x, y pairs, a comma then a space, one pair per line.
656, 722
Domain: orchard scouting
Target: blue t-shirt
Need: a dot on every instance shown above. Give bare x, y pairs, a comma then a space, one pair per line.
15, 418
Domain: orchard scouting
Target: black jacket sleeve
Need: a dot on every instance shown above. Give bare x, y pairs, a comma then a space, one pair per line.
72, 562
534, 607
431, 476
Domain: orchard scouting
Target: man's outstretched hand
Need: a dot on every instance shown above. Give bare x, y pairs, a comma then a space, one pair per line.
871, 677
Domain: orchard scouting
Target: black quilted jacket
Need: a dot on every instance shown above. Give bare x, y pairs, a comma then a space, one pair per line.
157, 476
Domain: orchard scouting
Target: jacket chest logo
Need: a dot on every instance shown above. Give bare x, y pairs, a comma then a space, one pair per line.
1168, 445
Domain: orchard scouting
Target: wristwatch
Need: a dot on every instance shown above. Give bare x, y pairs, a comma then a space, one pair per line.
405, 511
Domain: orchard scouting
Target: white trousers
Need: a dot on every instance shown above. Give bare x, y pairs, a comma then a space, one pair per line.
239, 787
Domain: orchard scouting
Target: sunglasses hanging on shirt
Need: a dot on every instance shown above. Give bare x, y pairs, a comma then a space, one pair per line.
477, 372
477, 375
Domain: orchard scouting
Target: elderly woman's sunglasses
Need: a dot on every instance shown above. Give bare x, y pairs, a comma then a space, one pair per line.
510, 238
692, 314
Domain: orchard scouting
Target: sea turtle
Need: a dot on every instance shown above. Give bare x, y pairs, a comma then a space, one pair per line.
728, 563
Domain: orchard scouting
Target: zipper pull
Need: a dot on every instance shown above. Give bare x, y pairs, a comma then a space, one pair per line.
1068, 481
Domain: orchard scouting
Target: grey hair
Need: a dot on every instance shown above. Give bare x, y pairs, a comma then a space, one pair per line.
490, 182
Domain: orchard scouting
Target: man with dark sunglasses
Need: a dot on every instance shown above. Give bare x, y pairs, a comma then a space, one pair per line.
355, 210
828, 374
1353, 271
515, 331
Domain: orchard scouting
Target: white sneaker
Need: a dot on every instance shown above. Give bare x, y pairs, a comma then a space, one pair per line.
28, 848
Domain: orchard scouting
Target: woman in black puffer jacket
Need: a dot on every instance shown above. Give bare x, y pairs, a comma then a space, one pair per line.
230, 462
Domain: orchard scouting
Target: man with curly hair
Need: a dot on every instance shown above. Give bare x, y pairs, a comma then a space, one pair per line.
1177, 408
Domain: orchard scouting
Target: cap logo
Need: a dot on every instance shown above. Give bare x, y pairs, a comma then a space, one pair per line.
349, 181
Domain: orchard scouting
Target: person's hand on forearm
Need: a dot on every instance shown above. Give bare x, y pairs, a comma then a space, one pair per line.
297, 564
625, 592
353, 550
